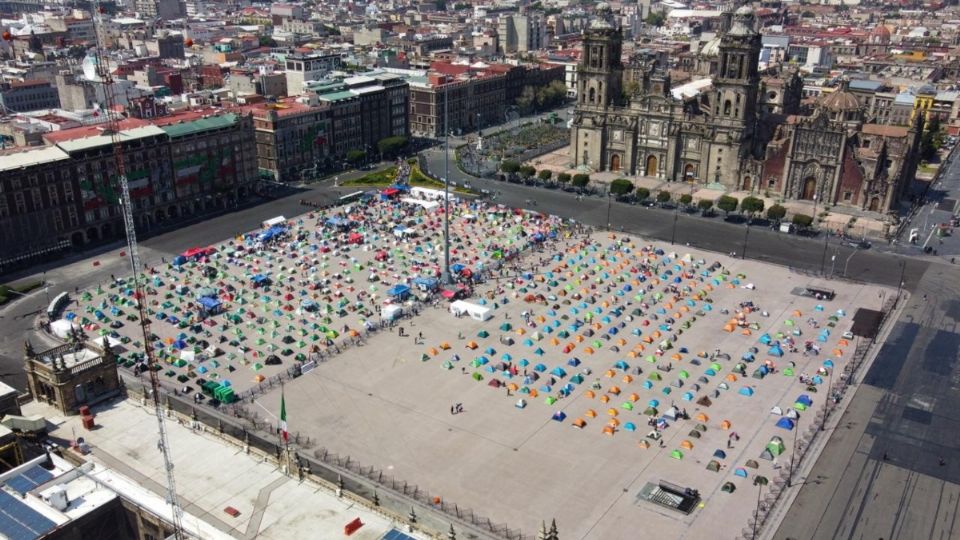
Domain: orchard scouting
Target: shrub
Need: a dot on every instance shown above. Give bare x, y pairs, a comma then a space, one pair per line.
663, 196
704, 204
643, 193
752, 205
581, 180
545, 175
686, 199
727, 203
776, 212
802, 220
527, 171
563, 178
621, 186
510, 166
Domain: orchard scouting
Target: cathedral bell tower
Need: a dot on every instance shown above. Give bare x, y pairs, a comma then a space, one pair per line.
600, 77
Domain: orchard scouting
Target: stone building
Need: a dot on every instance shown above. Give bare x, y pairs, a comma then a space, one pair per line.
703, 131
72, 375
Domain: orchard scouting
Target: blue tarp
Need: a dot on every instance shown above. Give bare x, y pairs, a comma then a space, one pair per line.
210, 303
426, 282
259, 278
398, 290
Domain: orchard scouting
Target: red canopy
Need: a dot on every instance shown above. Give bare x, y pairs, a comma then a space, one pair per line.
193, 252
390, 192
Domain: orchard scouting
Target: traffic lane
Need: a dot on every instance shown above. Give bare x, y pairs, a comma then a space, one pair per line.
714, 234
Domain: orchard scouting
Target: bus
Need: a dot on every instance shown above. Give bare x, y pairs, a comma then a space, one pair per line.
349, 198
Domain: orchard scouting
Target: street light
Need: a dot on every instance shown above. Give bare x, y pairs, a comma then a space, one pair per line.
746, 235
759, 481
793, 454
673, 236
609, 204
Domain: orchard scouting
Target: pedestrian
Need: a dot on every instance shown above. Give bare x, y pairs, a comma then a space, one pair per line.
452, 409
420, 335
942, 461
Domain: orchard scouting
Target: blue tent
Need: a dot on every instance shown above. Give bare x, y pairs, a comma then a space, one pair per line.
775, 350
741, 472
559, 416
399, 290
426, 283
335, 221
558, 371
210, 303
540, 367
179, 260
621, 365
746, 391
785, 423
805, 399
259, 279
765, 339
720, 454
573, 362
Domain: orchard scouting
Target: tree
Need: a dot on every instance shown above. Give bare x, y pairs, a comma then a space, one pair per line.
643, 193
267, 41
563, 178
656, 18
686, 199
931, 140
551, 95
391, 146
663, 196
802, 220
776, 212
545, 175
356, 156
752, 205
526, 171
621, 186
527, 99
727, 203
705, 205
509, 166
581, 180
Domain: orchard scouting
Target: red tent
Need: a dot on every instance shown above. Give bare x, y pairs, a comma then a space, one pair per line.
355, 238
193, 252
390, 192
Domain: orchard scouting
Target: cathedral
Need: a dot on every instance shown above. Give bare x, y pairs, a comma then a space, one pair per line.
729, 129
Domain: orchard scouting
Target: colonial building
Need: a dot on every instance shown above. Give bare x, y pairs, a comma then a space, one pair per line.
703, 131
732, 128
72, 375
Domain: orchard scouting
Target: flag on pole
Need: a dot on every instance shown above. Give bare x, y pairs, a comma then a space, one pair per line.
283, 418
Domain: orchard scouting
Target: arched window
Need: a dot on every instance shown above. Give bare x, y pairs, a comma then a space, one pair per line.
593, 95
726, 107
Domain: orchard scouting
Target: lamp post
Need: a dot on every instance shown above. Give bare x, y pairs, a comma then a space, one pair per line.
814, 216
759, 481
445, 275
903, 267
746, 235
609, 204
823, 258
673, 235
793, 453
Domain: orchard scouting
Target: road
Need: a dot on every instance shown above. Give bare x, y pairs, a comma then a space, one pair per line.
941, 205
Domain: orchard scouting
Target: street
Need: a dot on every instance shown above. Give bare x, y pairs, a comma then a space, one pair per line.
940, 206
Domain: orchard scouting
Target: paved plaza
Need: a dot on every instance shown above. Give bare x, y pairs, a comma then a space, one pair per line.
606, 363
617, 331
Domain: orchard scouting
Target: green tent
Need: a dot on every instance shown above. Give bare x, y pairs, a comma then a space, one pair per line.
799, 406
676, 454
483, 334
654, 376
714, 466
776, 446
477, 376
627, 405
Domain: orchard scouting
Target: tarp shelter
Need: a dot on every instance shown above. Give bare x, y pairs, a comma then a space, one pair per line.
475, 311
211, 304
279, 220
62, 328
425, 283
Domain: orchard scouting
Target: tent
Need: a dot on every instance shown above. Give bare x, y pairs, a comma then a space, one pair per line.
746, 391
559, 416
399, 291
740, 471
776, 446
786, 423
728, 487
719, 454
714, 466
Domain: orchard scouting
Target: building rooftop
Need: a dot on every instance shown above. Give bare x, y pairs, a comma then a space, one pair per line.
94, 141
29, 158
338, 96
190, 127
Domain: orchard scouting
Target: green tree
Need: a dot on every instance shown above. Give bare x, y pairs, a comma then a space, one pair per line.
267, 41
563, 177
391, 146
656, 18
704, 205
802, 220
643, 193
527, 99
551, 95
752, 205
510, 166
776, 212
663, 196
581, 180
686, 199
727, 203
526, 171
931, 140
356, 156
621, 186
545, 175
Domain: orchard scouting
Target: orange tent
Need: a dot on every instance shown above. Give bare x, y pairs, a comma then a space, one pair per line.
512, 387
589, 350
472, 345
729, 327
612, 412
656, 334
647, 339
521, 331
731, 377
613, 422
608, 430
634, 397
590, 394
686, 444
621, 342
579, 338
615, 390
703, 418
610, 373
627, 379
725, 424
591, 413
579, 423
632, 354
445, 346
676, 356
554, 341
533, 392
604, 398
433, 351
643, 444
746, 332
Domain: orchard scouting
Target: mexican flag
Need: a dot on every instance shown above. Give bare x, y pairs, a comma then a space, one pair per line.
283, 419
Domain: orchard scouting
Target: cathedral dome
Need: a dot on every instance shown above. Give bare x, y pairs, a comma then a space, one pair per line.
744, 22
840, 100
711, 49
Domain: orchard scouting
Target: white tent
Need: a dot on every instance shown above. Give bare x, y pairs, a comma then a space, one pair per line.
189, 356
391, 312
475, 311
62, 328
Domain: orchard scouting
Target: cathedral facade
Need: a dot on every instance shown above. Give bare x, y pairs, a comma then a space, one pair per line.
706, 138
730, 129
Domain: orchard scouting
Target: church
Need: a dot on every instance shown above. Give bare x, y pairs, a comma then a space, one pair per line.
728, 129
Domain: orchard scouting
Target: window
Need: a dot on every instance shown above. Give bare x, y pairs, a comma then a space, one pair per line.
847, 196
